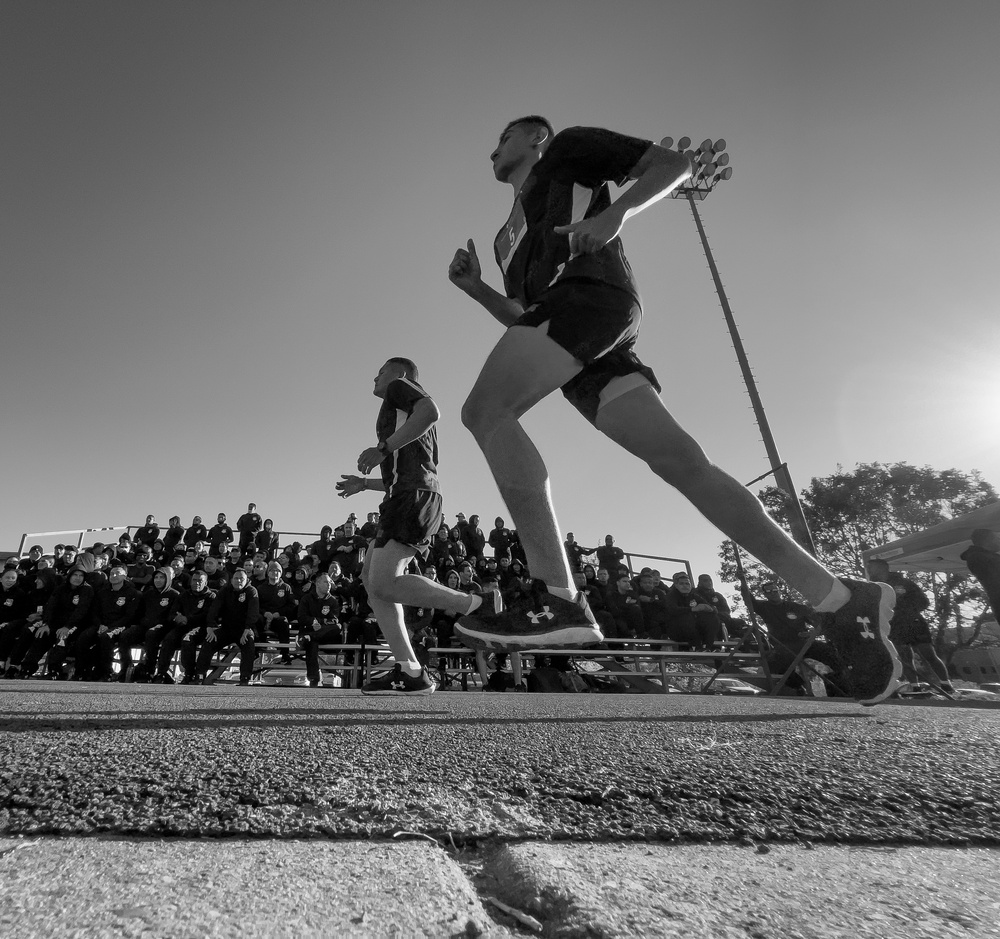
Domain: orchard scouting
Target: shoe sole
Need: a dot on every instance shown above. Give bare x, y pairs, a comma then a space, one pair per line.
392, 693
568, 636
887, 604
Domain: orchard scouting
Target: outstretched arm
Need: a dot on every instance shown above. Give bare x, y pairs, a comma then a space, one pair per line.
658, 172
466, 273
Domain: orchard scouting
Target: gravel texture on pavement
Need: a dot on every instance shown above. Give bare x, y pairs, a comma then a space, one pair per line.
466, 768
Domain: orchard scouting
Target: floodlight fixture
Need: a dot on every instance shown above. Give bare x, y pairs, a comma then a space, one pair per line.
707, 161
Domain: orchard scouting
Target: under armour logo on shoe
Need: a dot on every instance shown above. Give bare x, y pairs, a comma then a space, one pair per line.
398, 685
536, 618
865, 624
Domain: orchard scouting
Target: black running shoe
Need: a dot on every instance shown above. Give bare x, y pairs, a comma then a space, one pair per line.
541, 620
859, 631
398, 682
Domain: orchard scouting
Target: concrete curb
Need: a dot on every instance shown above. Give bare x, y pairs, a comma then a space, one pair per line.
604, 891
97, 888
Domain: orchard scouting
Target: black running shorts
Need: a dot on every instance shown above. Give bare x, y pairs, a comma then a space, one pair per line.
913, 632
598, 325
411, 517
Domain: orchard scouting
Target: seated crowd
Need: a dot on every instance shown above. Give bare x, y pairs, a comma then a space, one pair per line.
191, 593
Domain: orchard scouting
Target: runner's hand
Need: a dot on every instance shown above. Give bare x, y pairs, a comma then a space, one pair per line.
369, 459
589, 235
465, 271
351, 486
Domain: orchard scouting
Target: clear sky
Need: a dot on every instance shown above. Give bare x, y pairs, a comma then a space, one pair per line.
220, 218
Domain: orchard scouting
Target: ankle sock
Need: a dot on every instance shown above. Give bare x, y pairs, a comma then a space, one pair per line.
413, 669
839, 595
477, 602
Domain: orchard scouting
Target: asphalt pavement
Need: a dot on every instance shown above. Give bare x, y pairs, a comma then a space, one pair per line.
143, 810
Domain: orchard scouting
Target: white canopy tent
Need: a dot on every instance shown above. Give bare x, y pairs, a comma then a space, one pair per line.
937, 548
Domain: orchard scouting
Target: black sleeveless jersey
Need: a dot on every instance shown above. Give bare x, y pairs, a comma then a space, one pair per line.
415, 465
568, 184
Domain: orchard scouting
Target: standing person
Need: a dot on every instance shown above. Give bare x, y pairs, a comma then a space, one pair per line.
911, 633
982, 558
407, 455
248, 524
220, 535
571, 311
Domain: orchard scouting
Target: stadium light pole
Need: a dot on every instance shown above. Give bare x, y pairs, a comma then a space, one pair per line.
711, 166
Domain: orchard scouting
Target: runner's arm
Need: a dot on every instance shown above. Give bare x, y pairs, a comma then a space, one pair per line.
466, 273
657, 173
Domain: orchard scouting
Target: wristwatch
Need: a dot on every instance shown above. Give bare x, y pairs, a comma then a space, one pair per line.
383, 448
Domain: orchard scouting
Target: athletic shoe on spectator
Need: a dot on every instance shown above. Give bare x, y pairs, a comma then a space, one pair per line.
538, 620
398, 682
859, 631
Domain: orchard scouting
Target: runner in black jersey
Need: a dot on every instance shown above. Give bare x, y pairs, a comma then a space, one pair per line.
572, 314
407, 455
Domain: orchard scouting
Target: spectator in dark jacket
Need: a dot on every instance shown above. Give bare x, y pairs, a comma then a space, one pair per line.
117, 606
982, 558
474, 539
159, 605
691, 619
248, 524
610, 556
220, 535
173, 536
187, 630
14, 610
149, 532
319, 622
278, 608
266, 540
233, 620
500, 539
196, 532
624, 607
65, 615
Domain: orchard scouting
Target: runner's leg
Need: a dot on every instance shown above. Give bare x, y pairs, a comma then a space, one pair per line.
389, 587
638, 421
524, 367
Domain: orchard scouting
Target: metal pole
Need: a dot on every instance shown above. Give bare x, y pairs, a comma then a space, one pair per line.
797, 519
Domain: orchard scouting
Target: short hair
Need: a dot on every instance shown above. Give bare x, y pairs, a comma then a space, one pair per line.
535, 120
409, 367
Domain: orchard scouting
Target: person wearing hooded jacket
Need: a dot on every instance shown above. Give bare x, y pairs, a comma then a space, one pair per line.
173, 536
66, 612
266, 540
232, 620
159, 602
14, 609
45, 583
